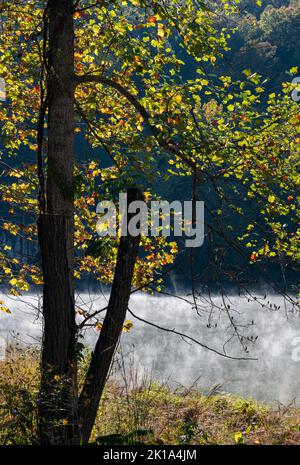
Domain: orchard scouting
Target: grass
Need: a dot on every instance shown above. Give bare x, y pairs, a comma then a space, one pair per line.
142, 411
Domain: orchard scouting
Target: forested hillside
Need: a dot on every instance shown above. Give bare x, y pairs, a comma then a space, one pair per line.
267, 38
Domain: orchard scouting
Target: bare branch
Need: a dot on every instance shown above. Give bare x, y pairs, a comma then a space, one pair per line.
184, 336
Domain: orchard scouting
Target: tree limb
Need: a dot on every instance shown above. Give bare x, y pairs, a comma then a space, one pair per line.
167, 145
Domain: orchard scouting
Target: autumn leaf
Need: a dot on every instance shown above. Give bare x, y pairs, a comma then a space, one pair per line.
271, 198
152, 19
127, 326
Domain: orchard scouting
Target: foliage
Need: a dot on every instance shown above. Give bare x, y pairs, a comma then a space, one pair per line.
18, 390
145, 116
131, 44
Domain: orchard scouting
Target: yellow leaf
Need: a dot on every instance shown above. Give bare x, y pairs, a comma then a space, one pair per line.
161, 32
98, 326
127, 326
178, 98
271, 198
4, 309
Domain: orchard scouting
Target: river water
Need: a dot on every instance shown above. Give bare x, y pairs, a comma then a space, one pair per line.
275, 327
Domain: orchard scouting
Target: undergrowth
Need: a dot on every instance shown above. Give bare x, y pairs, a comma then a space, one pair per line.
138, 410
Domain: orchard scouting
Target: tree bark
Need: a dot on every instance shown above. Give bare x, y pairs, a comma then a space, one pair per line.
112, 328
58, 398
59, 418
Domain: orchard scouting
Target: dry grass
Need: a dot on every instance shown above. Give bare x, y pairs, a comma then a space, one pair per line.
187, 417
136, 410
19, 380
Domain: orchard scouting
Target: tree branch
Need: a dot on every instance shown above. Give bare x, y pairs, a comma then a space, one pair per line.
184, 336
167, 145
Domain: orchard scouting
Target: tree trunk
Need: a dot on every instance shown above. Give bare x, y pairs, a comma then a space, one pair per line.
112, 327
58, 398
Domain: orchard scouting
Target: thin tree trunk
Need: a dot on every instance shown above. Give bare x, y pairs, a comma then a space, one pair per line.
112, 327
58, 399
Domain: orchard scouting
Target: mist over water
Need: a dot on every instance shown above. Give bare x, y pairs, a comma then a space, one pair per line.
273, 377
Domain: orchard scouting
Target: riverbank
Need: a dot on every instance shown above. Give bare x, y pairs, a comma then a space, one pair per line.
145, 411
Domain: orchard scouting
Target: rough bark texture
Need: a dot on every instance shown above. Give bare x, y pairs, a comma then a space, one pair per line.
112, 328
59, 419
57, 407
